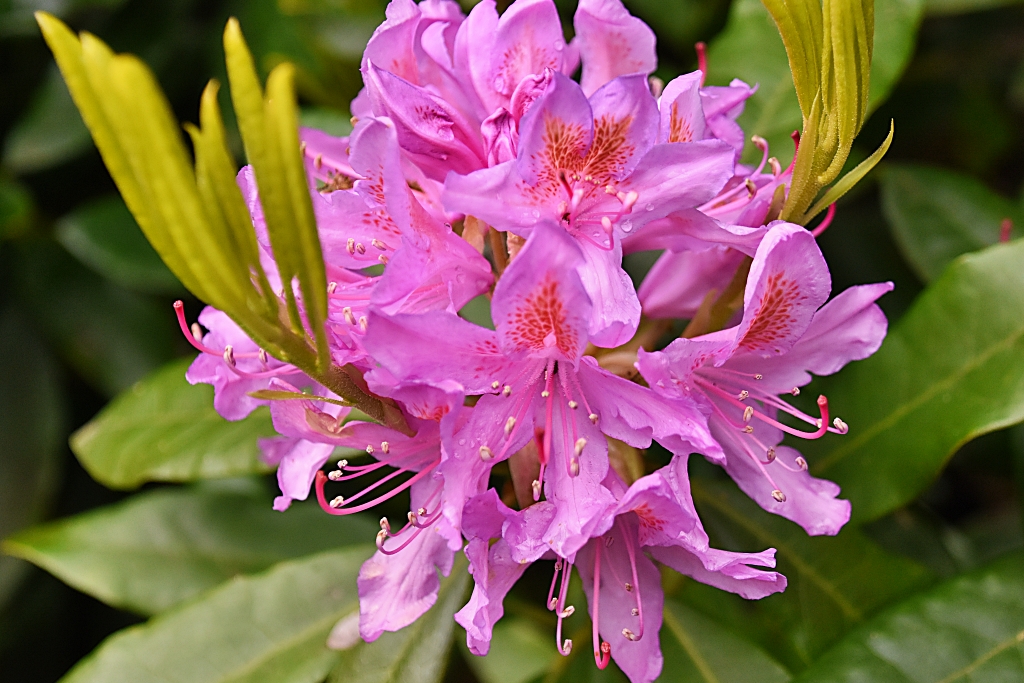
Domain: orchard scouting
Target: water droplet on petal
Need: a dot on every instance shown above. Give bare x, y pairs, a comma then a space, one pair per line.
626, 225
535, 213
499, 84
649, 207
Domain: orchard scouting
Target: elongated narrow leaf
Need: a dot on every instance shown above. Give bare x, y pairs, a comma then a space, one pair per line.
699, 650
164, 429
969, 629
269, 628
750, 48
834, 582
416, 654
952, 369
161, 548
937, 215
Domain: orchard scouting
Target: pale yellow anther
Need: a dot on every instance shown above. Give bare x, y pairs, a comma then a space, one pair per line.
748, 413
486, 453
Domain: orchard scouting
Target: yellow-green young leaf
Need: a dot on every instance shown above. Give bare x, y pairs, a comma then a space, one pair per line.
161, 548
416, 654
165, 429
968, 630
950, 370
68, 52
268, 628
269, 131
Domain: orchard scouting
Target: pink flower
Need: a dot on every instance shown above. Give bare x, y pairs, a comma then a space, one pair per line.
593, 166
655, 516
737, 374
533, 382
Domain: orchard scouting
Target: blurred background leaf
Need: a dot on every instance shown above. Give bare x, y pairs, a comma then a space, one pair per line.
103, 235
165, 429
970, 628
267, 628
163, 547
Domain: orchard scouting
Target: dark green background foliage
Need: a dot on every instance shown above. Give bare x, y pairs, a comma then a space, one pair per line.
194, 578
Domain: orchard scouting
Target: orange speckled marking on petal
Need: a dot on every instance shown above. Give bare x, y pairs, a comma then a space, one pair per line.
563, 152
774, 316
539, 321
679, 129
649, 520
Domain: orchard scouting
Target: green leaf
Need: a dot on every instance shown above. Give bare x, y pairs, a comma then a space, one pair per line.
165, 429
521, 651
103, 235
699, 650
158, 549
969, 629
750, 48
950, 370
32, 424
111, 336
50, 132
15, 208
269, 628
419, 652
834, 582
937, 215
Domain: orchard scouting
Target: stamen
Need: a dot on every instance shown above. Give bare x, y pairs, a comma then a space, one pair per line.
795, 391
779, 496
486, 454
580, 445
197, 331
567, 612
743, 395
507, 391
771, 454
385, 446
332, 507
179, 310
349, 318
350, 246
631, 551
593, 417
385, 525
362, 323
229, 355
378, 244
337, 502
841, 426
536, 490
573, 405
510, 424
334, 475
748, 413
552, 599
826, 221
776, 166
602, 650
331, 286
495, 384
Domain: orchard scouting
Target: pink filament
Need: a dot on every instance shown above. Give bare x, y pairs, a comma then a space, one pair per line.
636, 584
321, 479
602, 651
826, 221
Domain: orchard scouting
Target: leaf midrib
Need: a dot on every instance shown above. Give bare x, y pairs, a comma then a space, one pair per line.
899, 413
689, 646
970, 668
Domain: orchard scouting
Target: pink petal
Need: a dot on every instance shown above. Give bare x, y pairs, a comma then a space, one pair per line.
612, 43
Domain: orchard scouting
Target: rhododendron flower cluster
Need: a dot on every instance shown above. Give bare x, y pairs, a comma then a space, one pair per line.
478, 168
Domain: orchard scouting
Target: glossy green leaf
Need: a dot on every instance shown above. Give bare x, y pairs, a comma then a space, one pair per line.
834, 582
419, 652
521, 651
103, 235
968, 630
750, 48
49, 133
950, 370
699, 650
268, 628
937, 215
32, 424
158, 549
165, 429
111, 336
